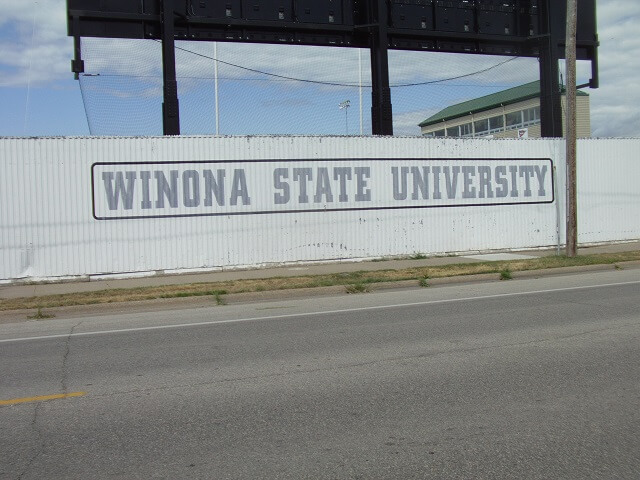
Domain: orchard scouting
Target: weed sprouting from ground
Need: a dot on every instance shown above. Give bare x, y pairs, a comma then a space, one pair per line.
217, 294
39, 315
506, 274
357, 288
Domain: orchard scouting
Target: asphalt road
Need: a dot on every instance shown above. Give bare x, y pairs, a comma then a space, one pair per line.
530, 379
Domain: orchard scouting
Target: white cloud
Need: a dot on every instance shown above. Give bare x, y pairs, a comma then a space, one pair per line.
407, 123
33, 43
614, 106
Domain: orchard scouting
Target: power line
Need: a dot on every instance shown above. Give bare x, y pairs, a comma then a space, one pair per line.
338, 84
246, 79
478, 72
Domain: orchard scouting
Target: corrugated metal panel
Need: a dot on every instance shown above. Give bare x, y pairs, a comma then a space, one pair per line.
608, 172
48, 228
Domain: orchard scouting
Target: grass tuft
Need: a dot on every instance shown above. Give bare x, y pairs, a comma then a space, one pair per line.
357, 288
39, 315
505, 274
217, 294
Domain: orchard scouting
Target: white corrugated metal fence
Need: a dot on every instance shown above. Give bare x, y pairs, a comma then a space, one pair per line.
89, 206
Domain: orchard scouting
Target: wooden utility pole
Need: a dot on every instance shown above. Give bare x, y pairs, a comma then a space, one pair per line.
570, 135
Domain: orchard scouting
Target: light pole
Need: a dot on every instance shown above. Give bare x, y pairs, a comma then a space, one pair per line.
360, 85
345, 106
215, 74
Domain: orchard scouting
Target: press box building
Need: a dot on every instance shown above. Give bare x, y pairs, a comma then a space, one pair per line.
505, 114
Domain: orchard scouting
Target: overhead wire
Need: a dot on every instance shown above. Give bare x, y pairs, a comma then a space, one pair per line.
316, 82
343, 84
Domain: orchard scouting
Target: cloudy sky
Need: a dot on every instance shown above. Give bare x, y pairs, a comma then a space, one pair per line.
38, 95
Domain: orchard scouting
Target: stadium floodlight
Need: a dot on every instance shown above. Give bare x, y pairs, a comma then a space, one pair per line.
345, 106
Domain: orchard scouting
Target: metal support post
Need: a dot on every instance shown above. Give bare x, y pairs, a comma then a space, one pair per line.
77, 64
550, 95
381, 111
170, 106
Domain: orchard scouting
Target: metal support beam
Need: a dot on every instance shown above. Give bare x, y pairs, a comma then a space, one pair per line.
170, 106
77, 64
550, 104
381, 111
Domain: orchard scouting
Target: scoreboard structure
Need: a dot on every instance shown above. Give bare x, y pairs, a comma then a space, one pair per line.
528, 28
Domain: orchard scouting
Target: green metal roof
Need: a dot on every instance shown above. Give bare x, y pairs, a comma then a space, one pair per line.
488, 102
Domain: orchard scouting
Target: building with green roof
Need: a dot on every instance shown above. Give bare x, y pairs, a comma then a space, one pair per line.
510, 113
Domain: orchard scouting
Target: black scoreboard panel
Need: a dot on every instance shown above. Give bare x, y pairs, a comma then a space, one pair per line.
498, 17
455, 16
499, 27
413, 14
333, 12
269, 10
221, 9
528, 15
304, 11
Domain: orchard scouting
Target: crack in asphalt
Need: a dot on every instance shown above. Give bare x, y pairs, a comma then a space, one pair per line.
374, 362
40, 441
34, 421
63, 380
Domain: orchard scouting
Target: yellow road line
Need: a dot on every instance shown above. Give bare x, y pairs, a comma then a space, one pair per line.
41, 398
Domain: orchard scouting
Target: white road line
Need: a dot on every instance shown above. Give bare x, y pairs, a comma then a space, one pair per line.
310, 314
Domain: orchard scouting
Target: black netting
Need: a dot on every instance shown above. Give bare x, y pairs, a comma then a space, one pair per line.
278, 89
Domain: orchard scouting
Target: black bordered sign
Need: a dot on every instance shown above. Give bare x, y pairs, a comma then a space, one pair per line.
136, 190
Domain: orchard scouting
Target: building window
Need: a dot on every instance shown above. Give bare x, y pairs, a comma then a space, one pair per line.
453, 132
439, 133
523, 118
514, 119
482, 126
531, 116
466, 130
496, 124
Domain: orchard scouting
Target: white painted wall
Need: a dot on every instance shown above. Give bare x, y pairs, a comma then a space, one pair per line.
47, 204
